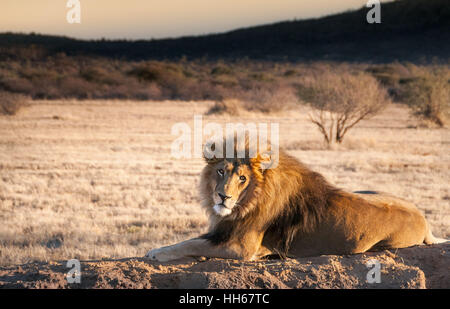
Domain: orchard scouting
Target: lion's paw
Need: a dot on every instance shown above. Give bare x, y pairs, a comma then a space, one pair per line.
160, 255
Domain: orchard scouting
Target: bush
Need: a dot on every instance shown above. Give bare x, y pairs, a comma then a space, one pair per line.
11, 103
392, 76
429, 95
289, 73
228, 106
75, 87
221, 69
269, 99
101, 76
170, 77
340, 100
153, 71
261, 77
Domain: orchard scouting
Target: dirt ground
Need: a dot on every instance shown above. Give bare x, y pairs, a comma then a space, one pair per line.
95, 179
412, 268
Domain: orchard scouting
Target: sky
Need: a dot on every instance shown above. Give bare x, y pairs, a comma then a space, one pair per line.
147, 19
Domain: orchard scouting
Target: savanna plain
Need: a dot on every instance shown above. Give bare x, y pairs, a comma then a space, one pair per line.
95, 179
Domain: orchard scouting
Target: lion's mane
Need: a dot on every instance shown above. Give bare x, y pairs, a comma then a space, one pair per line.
282, 202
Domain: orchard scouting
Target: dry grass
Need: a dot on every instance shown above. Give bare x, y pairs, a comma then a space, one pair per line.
94, 179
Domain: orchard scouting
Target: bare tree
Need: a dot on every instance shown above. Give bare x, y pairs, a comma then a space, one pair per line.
340, 100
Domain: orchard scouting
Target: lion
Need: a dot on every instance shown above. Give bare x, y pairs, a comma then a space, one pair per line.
292, 211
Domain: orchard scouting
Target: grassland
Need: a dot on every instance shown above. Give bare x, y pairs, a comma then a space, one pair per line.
94, 179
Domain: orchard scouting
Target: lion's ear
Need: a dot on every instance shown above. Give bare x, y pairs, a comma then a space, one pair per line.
212, 152
265, 160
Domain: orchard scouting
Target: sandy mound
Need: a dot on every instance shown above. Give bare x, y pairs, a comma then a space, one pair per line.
416, 267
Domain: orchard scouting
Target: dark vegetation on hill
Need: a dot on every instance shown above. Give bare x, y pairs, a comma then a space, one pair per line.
411, 30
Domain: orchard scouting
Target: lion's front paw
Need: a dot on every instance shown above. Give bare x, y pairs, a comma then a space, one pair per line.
160, 255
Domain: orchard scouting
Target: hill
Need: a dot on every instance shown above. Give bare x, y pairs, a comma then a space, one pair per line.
411, 30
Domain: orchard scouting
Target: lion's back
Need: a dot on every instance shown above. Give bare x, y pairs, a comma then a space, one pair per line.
383, 198
363, 221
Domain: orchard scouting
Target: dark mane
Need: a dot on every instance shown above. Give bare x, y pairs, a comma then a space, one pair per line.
303, 212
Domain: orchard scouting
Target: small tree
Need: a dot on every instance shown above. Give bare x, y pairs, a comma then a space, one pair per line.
340, 100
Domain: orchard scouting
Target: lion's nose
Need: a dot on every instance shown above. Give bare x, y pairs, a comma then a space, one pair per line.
224, 197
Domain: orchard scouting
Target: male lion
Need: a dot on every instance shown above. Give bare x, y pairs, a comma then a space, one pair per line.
292, 211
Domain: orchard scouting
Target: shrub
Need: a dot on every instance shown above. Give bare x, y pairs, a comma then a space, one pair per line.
269, 99
170, 77
261, 77
101, 76
153, 71
17, 85
150, 92
429, 95
289, 73
228, 106
75, 87
340, 100
221, 69
11, 103
149, 72
227, 81
392, 76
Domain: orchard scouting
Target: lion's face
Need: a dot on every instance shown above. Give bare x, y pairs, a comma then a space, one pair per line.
231, 181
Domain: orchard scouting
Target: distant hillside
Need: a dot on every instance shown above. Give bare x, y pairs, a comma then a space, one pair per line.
411, 30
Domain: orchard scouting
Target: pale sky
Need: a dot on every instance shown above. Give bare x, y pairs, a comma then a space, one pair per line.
146, 19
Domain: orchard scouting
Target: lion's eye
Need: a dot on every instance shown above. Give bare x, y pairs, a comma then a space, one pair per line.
220, 172
242, 178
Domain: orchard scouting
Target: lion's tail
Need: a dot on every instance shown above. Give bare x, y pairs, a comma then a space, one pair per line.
430, 239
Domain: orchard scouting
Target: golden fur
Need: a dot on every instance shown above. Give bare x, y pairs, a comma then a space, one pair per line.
293, 211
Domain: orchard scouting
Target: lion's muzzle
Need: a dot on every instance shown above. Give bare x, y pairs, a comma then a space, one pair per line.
222, 210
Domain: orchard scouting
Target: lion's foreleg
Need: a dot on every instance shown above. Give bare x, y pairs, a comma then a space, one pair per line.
194, 247
246, 248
